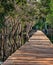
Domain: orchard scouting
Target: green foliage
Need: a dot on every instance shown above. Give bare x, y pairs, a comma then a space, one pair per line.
50, 20
6, 6
45, 6
21, 2
51, 6
50, 15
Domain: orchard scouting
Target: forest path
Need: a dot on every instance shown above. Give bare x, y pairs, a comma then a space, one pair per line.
37, 51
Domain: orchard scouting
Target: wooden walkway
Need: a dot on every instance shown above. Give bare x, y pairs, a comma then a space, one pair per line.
37, 51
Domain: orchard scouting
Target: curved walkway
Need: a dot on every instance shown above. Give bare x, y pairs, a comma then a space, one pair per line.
37, 51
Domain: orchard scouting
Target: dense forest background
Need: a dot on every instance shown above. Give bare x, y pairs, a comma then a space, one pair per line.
18, 18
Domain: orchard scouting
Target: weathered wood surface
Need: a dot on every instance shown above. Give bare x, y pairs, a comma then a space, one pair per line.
37, 51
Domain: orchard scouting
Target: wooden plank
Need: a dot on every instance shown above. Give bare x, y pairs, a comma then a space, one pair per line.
37, 51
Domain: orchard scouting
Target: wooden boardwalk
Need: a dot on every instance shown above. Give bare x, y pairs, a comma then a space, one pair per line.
37, 51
